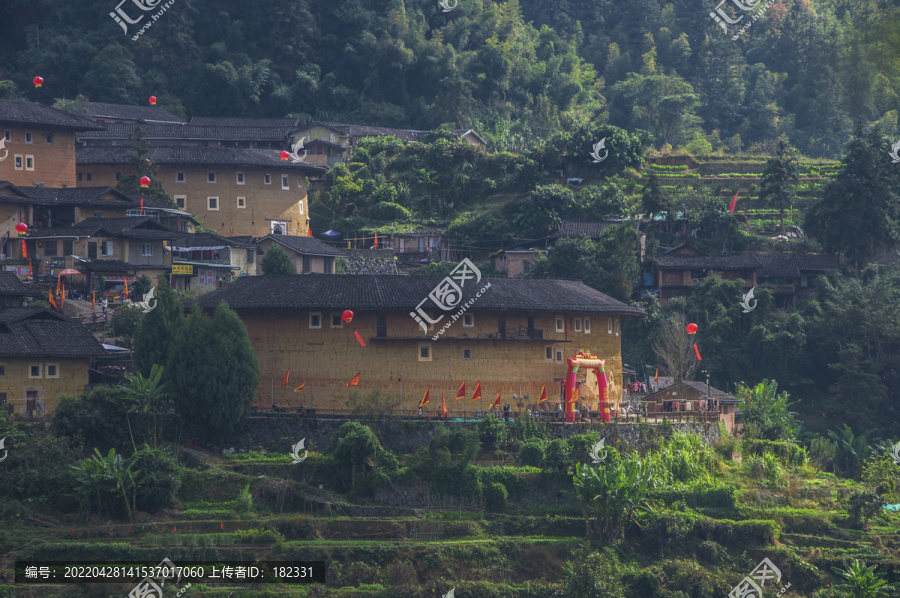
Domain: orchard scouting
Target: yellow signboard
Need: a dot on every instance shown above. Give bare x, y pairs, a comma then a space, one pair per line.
182, 269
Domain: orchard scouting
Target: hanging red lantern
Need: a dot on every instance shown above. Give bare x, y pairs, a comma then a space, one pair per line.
347, 316
153, 100
145, 181
21, 228
692, 328
285, 155
38, 81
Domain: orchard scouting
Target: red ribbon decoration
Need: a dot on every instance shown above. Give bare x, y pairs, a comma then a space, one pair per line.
359, 338
697, 351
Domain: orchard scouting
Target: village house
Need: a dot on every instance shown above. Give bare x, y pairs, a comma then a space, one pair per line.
37, 144
13, 292
309, 255
189, 135
513, 338
233, 191
668, 399
202, 262
43, 356
124, 114
515, 262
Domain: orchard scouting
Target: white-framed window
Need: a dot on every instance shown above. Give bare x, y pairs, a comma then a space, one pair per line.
34, 370
560, 324
587, 325
336, 321
468, 320
27, 137
609, 325
210, 177
106, 248
146, 249
268, 179
577, 324
242, 202
29, 162
240, 178
7, 135
207, 278
212, 203
301, 206
548, 353
559, 355
52, 370
19, 162
180, 201
617, 326
315, 319
180, 178
285, 182
49, 138
279, 227
299, 182
467, 354
424, 352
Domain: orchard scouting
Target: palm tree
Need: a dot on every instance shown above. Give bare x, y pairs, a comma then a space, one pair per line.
149, 398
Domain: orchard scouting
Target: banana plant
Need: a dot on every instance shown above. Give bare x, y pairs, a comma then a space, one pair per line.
149, 398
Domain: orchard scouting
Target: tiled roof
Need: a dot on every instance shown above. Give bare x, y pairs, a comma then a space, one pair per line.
666, 384
370, 292
201, 156
37, 332
11, 285
104, 265
125, 112
356, 132
183, 239
32, 113
134, 227
582, 228
769, 264
79, 196
306, 245
731, 261
181, 132
789, 265
229, 121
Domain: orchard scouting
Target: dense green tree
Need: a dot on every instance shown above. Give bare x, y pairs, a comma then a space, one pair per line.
159, 329
99, 417
141, 166
779, 178
277, 262
766, 414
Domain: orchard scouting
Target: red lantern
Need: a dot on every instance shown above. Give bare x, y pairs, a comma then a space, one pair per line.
153, 100
38, 81
285, 155
347, 316
692, 328
21, 228
145, 181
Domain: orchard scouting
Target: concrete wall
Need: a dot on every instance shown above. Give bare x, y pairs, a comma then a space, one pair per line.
71, 380
54, 165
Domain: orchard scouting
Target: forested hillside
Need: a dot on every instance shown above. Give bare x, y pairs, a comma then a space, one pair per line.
807, 69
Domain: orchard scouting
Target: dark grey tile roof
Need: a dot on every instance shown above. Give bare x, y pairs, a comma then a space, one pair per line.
372, 292
124, 112
356, 132
789, 265
32, 113
37, 332
79, 196
306, 245
666, 384
713, 262
768, 264
183, 239
134, 227
11, 285
201, 156
104, 265
183, 132
582, 228
231, 121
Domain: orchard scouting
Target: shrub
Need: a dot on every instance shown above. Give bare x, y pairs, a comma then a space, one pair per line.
527, 429
594, 575
125, 321
100, 417
822, 452
361, 464
257, 536
580, 446
862, 506
532, 453
491, 432
495, 496
389, 211
790, 453
244, 500
157, 477
883, 474
685, 457
767, 469
556, 456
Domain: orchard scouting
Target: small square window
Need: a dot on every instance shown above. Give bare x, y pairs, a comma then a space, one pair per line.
20, 161
285, 182
468, 320
336, 321
8, 135
29, 162
106, 248
49, 138
89, 176
179, 177
52, 370
424, 352
268, 179
34, 371
617, 326
118, 176
587, 325
241, 202
577, 324
212, 203
179, 201
467, 353
98, 214
240, 178
79, 177
560, 324
27, 137
559, 355
146, 249
315, 320
299, 182
210, 177
548, 353
2, 370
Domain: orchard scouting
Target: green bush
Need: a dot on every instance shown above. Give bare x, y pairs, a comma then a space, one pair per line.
686, 457
126, 320
532, 453
594, 575
883, 474
556, 456
580, 446
862, 506
37, 466
157, 477
361, 465
703, 493
389, 211
527, 429
257, 536
790, 453
495, 496
491, 432
508, 476
101, 419
766, 469
461, 480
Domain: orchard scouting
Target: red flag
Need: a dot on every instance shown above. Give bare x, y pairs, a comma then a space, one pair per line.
308, 231
58, 279
656, 378
543, 396
461, 393
286, 376
93, 299
477, 394
496, 401
733, 203
359, 338
62, 298
425, 398
443, 406
575, 394
24, 250
355, 381
697, 351
142, 207
126, 285
300, 388
52, 300
376, 239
